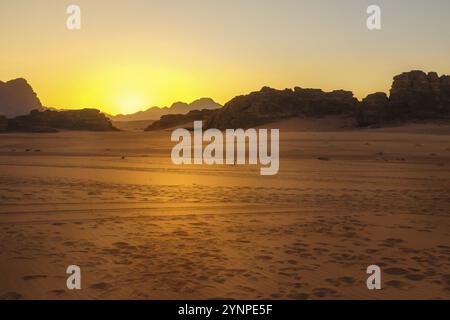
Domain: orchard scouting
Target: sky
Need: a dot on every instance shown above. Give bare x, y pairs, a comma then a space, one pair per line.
135, 54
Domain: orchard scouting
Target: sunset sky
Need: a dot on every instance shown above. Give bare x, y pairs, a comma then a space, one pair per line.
131, 55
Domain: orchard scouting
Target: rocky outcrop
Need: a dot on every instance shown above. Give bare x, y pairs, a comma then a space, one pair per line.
17, 98
268, 105
177, 108
414, 95
174, 120
51, 121
373, 109
3, 124
419, 95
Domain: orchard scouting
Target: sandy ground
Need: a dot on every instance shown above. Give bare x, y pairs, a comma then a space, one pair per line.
142, 228
139, 125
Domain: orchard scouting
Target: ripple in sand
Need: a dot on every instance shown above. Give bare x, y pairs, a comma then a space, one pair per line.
11, 296
33, 277
323, 292
395, 284
101, 286
396, 271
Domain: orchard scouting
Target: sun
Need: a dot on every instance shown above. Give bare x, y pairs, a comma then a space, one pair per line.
130, 103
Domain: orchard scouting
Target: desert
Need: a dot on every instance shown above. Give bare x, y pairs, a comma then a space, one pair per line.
209, 159
140, 227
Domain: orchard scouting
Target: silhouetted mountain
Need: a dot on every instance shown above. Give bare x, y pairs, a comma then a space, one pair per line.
172, 120
17, 98
156, 113
414, 96
269, 105
204, 103
50, 121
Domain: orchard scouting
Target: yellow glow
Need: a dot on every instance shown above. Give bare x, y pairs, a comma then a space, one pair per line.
130, 103
131, 56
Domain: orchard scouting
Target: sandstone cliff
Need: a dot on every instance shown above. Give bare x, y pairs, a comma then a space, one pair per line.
268, 105
414, 95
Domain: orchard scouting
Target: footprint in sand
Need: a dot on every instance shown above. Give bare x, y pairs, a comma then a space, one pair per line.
121, 244
347, 280
415, 277
58, 292
263, 257
393, 241
219, 279
33, 277
396, 271
323, 292
299, 296
101, 286
11, 296
246, 289
396, 284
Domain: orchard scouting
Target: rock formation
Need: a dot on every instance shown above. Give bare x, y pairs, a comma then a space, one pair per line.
419, 95
373, 109
268, 105
50, 121
17, 98
414, 95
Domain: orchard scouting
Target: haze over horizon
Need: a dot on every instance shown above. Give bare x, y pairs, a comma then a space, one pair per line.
130, 56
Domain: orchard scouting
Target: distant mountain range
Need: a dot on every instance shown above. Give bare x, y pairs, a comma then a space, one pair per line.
155, 113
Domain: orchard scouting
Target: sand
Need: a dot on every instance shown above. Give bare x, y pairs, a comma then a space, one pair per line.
142, 228
138, 125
